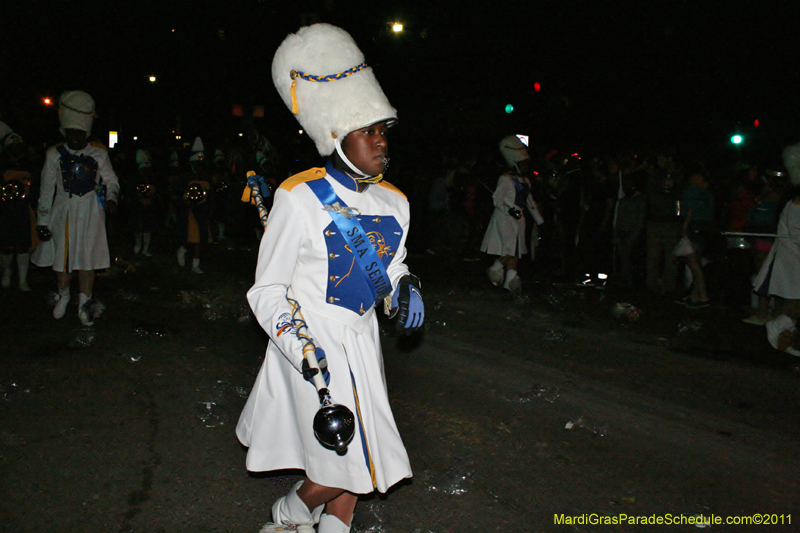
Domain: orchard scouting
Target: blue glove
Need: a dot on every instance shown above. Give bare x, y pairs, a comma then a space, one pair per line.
309, 373
407, 305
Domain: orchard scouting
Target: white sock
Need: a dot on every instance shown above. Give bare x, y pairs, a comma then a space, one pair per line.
497, 265
330, 524
82, 299
23, 260
290, 510
510, 274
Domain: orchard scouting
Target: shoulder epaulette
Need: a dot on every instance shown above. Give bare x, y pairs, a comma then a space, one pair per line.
308, 175
386, 185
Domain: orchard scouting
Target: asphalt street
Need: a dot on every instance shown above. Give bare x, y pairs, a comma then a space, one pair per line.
534, 413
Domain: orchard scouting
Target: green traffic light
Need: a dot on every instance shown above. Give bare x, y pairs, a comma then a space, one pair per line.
509, 108
737, 139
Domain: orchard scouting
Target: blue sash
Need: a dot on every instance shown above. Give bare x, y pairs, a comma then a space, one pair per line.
346, 220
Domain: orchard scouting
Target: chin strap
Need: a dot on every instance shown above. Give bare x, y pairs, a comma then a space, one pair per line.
364, 177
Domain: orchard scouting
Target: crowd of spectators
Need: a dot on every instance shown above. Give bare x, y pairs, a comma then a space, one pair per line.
613, 221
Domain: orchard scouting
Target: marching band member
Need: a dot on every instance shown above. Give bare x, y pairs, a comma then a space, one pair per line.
78, 188
144, 209
505, 235
194, 208
18, 190
334, 244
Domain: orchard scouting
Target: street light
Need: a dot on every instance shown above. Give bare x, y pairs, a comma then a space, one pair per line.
397, 27
152, 79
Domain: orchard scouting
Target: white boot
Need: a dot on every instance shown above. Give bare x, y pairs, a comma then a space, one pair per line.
5, 262
83, 310
196, 266
495, 273
146, 244
182, 256
330, 524
290, 514
23, 261
137, 246
61, 304
512, 283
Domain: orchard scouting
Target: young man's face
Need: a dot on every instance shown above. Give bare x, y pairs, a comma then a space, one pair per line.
368, 148
76, 139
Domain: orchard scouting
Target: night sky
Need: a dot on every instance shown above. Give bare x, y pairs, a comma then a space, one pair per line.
612, 74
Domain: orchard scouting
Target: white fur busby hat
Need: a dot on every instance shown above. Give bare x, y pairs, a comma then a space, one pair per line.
791, 160
76, 111
321, 76
513, 150
197, 150
143, 159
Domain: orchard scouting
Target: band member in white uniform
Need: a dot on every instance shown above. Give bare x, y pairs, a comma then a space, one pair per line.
78, 188
505, 235
334, 246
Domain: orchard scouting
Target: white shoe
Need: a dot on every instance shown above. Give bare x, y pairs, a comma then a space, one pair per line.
495, 276
182, 256
61, 306
196, 266
83, 314
512, 283
277, 528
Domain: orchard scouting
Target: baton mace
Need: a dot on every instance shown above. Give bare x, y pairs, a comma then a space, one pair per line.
334, 424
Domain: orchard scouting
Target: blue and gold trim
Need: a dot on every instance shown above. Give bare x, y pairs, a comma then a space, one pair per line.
364, 442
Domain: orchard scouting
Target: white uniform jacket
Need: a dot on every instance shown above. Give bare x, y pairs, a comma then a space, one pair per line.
302, 256
781, 268
505, 234
78, 223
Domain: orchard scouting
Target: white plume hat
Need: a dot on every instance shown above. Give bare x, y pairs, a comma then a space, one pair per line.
791, 160
321, 76
76, 111
513, 150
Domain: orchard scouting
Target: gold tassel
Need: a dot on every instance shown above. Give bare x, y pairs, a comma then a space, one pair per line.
294, 97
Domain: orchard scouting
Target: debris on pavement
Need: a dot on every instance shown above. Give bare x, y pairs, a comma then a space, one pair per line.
601, 431
537, 392
555, 336
689, 326
626, 311
83, 338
